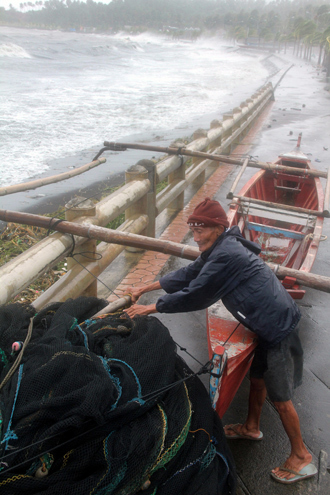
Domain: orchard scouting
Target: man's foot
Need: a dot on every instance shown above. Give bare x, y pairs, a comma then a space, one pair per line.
294, 469
240, 432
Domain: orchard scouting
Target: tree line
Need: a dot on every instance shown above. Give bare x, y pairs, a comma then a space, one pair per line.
300, 23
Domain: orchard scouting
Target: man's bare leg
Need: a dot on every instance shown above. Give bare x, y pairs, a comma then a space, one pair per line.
251, 427
299, 457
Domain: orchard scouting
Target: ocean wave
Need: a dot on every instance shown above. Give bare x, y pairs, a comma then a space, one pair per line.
13, 51
76, 90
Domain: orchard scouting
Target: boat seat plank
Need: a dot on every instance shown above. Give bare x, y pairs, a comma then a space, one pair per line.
248, 202
288, 189
269, 229
290, 217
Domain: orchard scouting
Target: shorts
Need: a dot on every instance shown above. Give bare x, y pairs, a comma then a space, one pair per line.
280, 366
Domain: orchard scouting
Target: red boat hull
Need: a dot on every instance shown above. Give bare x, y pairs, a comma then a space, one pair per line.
239, 343
276, 210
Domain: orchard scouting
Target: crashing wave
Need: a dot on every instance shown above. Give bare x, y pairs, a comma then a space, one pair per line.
14, 51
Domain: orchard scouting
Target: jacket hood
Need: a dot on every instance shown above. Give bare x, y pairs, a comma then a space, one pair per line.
252, 246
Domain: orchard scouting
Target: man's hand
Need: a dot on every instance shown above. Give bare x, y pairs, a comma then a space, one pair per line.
135, 293
139, 310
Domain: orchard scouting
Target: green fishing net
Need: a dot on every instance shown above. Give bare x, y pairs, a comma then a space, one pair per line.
103, 406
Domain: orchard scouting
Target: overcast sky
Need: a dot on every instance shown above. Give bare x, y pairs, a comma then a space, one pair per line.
15, 3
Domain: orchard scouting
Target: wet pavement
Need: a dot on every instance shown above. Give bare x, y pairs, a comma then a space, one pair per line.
302, 104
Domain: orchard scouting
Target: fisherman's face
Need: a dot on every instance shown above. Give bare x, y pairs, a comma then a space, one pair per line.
205, 237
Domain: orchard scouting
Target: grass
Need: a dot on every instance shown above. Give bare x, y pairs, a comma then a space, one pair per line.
14, 241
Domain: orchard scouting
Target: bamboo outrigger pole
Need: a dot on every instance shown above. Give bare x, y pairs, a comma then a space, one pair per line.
230, 195
113, 146
101, 233
318, 282
24, 186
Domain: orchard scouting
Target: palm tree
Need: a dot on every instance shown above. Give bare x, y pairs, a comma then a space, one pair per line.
303, 30
323, 41
309, 41
298, 23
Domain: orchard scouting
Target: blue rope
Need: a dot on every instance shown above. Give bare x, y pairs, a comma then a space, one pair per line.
225, 461
11, 435
114, 379
85, 336
89, 322
139, 397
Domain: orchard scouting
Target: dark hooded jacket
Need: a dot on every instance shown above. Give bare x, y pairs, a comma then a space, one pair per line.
231, 270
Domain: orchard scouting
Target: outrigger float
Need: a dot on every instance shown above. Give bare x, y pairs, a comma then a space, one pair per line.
282, 207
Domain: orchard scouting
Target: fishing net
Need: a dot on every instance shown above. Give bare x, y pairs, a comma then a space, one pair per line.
103, 406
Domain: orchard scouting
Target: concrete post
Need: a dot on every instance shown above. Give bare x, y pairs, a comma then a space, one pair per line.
216, 124
200, 133
140, 207
237, 113
173, 177
150, 166
76, 208
249, 103
227, 121
244, 108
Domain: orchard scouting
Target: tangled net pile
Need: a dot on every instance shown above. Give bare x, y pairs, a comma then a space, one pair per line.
103, 406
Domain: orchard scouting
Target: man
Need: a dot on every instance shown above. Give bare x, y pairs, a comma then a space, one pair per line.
230, 269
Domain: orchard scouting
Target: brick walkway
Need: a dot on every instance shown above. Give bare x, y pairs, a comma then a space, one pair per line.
151, 263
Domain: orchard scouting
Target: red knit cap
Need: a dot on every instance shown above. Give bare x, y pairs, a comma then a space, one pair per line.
208, 214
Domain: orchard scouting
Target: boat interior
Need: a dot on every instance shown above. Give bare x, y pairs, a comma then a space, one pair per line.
274, 216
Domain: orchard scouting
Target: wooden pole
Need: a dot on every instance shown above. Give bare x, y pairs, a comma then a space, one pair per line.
49, 180
245, 201
219, 158
101, 233
122, 302
230, 195
312, 280
172, 248
326, 197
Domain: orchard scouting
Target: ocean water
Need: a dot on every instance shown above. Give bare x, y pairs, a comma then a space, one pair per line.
63, 92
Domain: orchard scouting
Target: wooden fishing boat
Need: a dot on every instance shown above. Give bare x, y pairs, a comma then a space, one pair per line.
282, 211
280, 207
